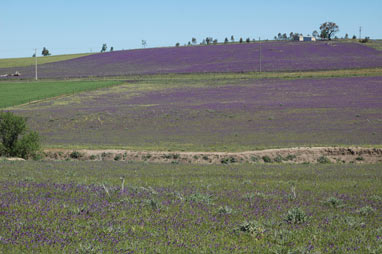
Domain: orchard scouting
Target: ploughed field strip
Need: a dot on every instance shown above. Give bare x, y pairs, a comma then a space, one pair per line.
216, 115
275, 56
114, 207
285, 155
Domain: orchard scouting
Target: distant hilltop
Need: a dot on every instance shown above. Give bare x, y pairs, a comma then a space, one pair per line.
247, 57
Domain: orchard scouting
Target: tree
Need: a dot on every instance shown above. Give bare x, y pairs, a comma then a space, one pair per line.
315, 34
11, 128
104, 47
354, 37
346, 36
328, 29
241, 40
285, 36
248, 40
111, 49
193, 40
177, 44
45, 52
232, 38
279, 36
215, 41
144, 43
225, 40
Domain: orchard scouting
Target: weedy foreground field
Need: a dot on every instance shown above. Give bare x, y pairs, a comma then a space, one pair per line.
112, 207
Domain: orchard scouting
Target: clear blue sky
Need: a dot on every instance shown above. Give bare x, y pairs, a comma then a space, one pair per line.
72, 26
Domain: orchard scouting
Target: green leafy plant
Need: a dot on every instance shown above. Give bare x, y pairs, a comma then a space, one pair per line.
253, 227
323, 160
334, 202
16, 140
296, 216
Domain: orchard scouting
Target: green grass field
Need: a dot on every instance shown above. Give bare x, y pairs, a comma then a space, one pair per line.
15, 93
87, 207
27, 61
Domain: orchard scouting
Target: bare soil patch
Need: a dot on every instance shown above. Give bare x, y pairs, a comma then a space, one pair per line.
285, 155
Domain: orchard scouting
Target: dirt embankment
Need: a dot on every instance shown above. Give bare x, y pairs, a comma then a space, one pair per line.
286, 155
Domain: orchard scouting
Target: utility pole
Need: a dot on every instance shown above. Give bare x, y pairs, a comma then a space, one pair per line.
360, 31
260, 53
35, 56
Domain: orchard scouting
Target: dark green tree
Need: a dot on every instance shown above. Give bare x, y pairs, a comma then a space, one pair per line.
16, 140
45, 52
328, 29
104, 47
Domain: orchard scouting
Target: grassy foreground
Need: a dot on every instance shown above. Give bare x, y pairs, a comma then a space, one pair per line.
27, 61
15, 93
87, 207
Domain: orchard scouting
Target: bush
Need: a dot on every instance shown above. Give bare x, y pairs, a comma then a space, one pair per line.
334, 202
228, 160
253, 227
16, 140
267, 159
366, 211
323, 160
75, 155
295, 216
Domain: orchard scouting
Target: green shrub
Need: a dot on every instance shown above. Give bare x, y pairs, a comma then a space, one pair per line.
267, 159
334, 202
16, 140
75, 155
253, 227
323, 160
278, 159
295, 216
366, 211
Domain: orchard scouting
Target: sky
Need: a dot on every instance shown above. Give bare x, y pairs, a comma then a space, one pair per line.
78, 26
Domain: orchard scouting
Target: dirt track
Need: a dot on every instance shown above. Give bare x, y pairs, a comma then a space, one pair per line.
286, 155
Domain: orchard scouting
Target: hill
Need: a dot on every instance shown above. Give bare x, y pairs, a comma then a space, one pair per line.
29, 61
275, 56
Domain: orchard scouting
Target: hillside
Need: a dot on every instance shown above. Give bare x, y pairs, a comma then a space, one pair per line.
275, 56
29, 61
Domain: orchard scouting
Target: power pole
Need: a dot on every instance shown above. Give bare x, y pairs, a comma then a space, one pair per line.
35, 56
260, 53
360, 31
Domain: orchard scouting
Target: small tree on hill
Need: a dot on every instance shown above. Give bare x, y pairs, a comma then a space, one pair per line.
193, 40
111, 49
241, 40
225, 40
177, 44
248, 40
232, 38
104, 47
328, 29
315, 34
13, 127
45, 52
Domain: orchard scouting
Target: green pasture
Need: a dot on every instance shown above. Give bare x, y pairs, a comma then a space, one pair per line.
119, 207
16, 93
27, 61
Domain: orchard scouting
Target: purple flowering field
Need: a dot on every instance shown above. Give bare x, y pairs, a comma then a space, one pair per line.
233, 115
117, 207
276, 56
